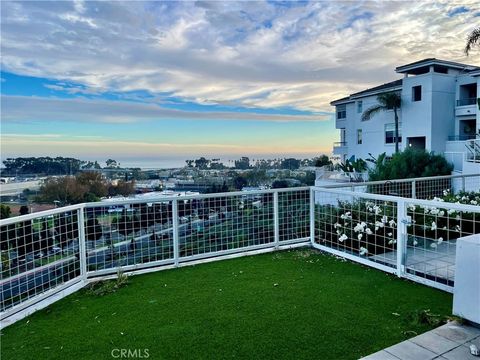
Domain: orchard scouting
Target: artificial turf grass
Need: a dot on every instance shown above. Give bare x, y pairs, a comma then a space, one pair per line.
287, 305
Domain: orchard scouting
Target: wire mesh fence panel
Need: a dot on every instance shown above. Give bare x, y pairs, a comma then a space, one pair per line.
294, 215
418, 188
432, 234
226, 222
354, 225
37, 255
128, 234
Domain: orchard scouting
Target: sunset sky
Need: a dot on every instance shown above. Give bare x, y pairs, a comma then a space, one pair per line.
152, 81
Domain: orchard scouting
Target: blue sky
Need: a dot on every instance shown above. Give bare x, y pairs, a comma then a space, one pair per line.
158, 80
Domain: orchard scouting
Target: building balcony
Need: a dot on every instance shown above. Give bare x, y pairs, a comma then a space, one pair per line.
340, 148
462, 137
340, 123
466, 102
466, 107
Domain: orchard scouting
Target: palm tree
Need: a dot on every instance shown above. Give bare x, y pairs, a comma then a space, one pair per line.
386, 101
472, 40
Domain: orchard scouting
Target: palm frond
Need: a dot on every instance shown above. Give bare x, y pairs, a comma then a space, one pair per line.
367, 114
472, 40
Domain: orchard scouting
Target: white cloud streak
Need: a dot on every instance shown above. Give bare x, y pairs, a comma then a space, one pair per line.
25, 108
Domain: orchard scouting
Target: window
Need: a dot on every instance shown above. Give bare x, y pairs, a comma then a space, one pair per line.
359, 107
390, 133
359, 136
417, 93
341, 111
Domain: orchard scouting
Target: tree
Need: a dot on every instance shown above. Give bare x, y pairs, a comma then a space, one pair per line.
473, 39
290, 164
4, 211
386, 101
202, 163
243, 163
280, 184
240, 182
112, 164
23, 210
94, 181
65, 189
322, 161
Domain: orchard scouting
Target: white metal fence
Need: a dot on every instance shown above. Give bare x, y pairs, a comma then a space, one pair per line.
412, 238
46, 252
415, 188
46, 255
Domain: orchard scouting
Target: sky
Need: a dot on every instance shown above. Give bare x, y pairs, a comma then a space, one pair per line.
151, 83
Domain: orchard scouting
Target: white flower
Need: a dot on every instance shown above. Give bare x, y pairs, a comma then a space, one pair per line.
433, 245
441, 213
439, 240
446, 192
392, 241
360, 236
450, 211
368, 231
384, 219
411, 207
392, 223
415, 242
434, 211
343, 238
434, 226
338, 232
363, 251
390, 234
458, 217
473, 202
458, 228
336, 225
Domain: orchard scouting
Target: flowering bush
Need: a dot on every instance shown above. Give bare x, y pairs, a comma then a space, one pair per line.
368, 227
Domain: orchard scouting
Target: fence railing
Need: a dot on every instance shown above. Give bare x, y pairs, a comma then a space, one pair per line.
466, 101
412, 238
46, 255
45, 252
415, 188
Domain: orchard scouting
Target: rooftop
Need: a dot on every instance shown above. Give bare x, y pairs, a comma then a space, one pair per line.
300, 304
410, 68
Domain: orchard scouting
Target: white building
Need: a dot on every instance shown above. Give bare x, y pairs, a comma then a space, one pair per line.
439, 113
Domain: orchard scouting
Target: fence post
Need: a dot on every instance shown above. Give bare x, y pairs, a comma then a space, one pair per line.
401, 236
312, 216
463, 183
276, 224
82, 249
414, 189
176, 245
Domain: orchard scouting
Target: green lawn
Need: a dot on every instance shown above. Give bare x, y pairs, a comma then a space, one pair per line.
285, 305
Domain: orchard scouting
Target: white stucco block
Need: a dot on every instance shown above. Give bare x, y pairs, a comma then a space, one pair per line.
466, 293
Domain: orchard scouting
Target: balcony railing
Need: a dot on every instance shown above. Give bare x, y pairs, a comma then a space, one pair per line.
462, 137
467, 101
47, 255
339, 144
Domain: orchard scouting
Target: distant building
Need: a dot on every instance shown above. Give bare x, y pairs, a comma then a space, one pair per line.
439, 113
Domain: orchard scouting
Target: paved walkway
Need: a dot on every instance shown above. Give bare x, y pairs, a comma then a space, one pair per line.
448, 342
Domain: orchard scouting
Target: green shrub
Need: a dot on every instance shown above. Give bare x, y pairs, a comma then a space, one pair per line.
410, 163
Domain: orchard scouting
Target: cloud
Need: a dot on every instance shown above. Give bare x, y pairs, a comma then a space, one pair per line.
255, 54
25, 108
